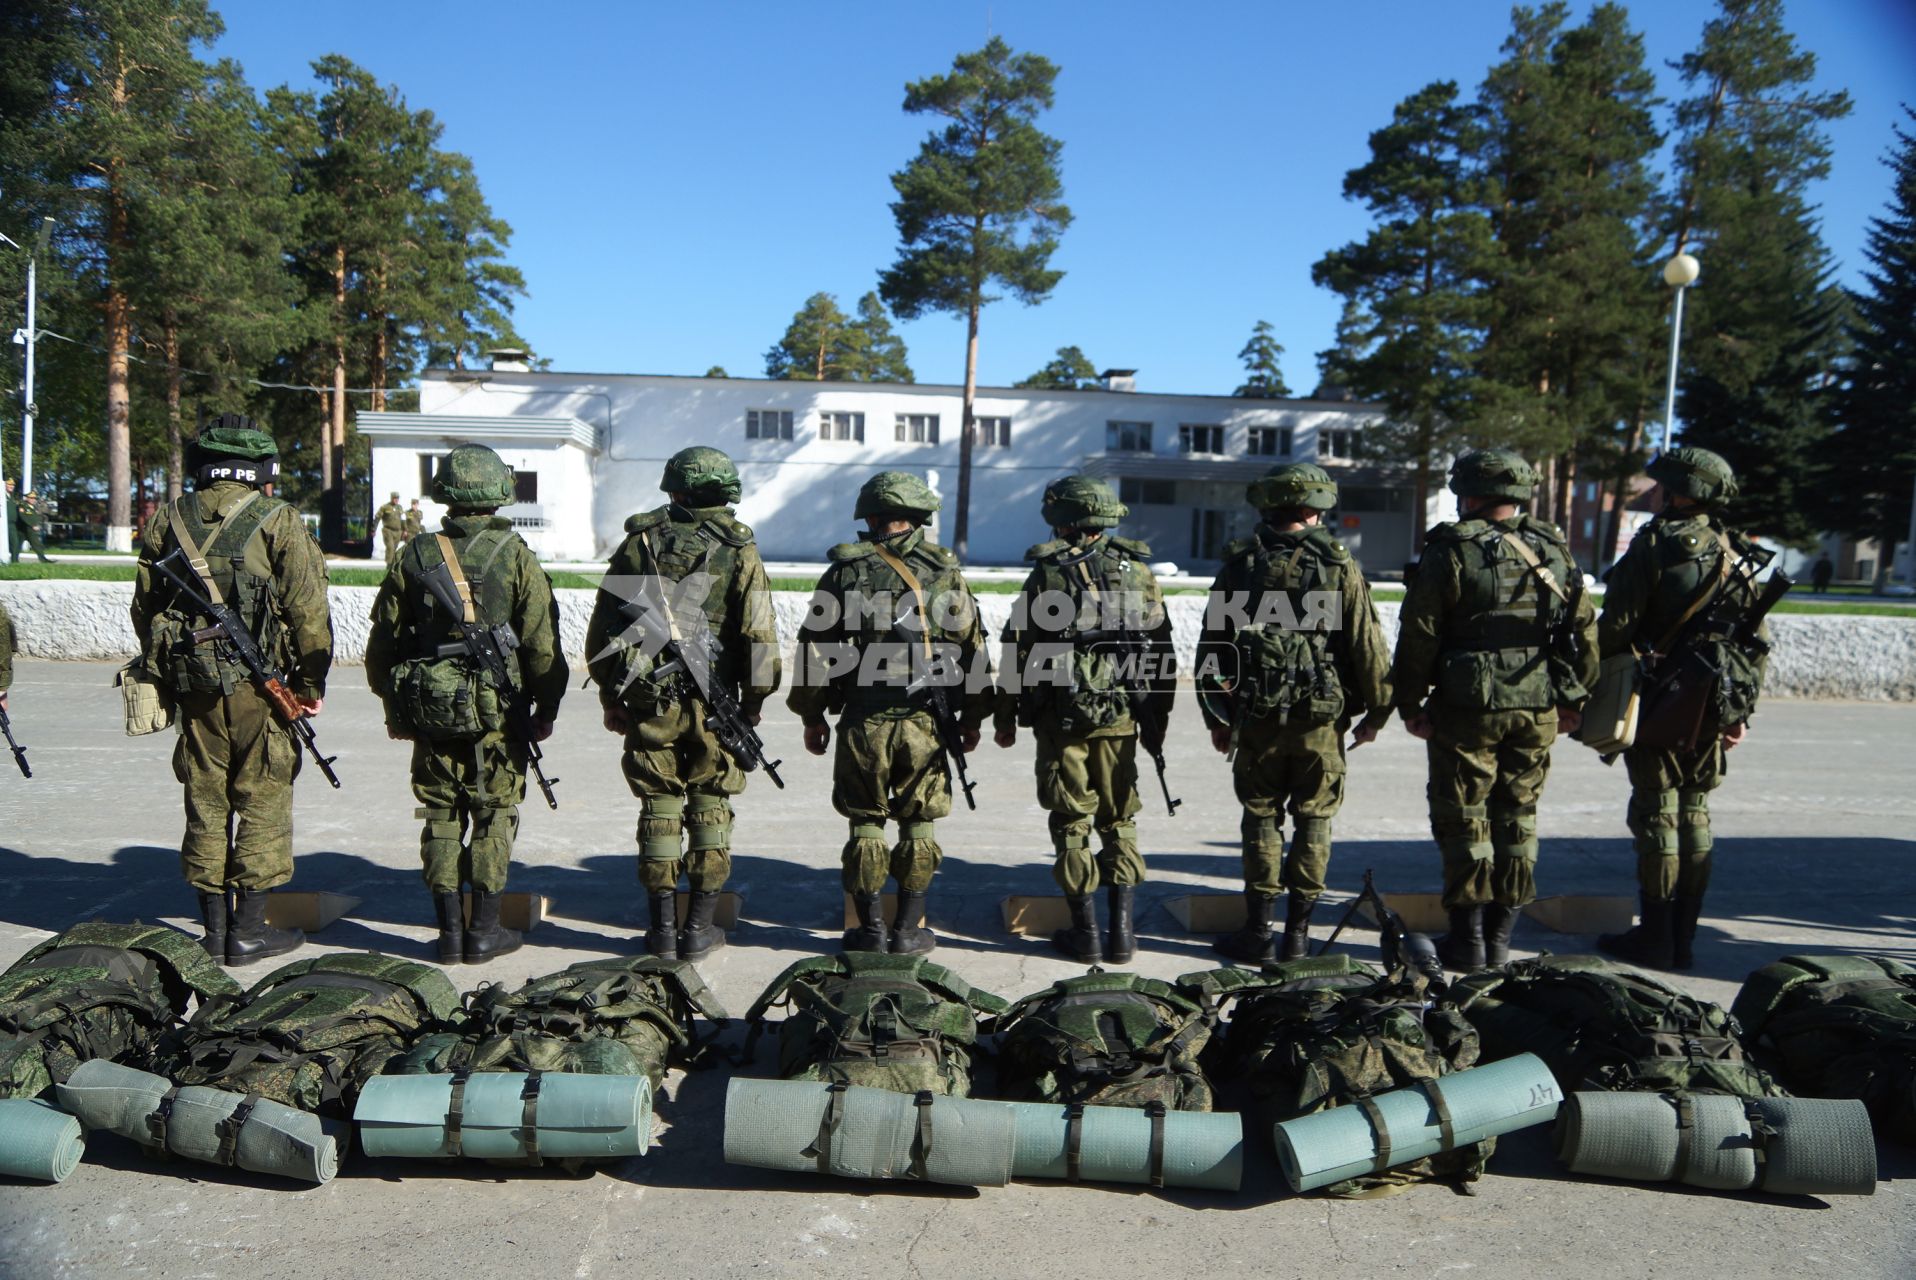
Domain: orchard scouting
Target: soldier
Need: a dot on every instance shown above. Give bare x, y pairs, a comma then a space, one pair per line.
1498, 623
694, 553
1291, 630
468, 771
1079, 671
891, 607
25, 518
6, 655
235, 756
392, 528
415, 521
1685, 563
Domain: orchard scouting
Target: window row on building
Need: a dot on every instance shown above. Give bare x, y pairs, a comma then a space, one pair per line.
849, 427
1208, 439
1194, 438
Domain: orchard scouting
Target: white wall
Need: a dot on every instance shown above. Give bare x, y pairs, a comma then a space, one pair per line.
565, 490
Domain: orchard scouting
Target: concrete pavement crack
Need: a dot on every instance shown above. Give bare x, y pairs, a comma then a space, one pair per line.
911, 1249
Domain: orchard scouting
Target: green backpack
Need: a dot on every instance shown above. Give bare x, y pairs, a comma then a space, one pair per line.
441, 696
624, 1017
1599, 1025
310, 1034
1839, 1027
868, 1018
1107, 1039
98, 991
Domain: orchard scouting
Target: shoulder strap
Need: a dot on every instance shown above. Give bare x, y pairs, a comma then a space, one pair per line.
468, 613
917, 593
1703, 597
196, 557
1537, 566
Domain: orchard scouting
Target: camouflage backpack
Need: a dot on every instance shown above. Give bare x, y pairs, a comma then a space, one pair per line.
97, 991
598, 1017
1107, 1039
868, 1018
440, 696
1285, 670
1839, 1027
1329, 1031
239, 565
310, 1034
1602, 1026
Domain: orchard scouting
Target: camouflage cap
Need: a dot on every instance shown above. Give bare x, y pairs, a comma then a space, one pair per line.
1690, 472
895, 493
1081, 502
473, 476
1493, 473
1295, 484
703, 473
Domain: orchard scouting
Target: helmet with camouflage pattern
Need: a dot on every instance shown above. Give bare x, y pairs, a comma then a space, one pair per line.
1295, 484
473, 476
1081, 502
1493, 473
1690, 472
898, 494
703, 474
230, 447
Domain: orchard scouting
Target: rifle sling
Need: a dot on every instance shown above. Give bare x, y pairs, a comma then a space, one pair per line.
1537, 566
467, 613
917, 594
1703, 598
194, 555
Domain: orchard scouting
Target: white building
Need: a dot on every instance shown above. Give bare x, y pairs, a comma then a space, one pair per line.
589, 450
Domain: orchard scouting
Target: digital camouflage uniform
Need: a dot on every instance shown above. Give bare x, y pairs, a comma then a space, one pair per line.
6, 650
1491, 651
391, 520
674, 764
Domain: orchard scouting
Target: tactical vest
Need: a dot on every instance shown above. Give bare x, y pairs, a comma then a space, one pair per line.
863, 575
1106, 585
1287, 671
237, 562
1107, 1039
1499, 638
661, 543
1692, 567
441, 696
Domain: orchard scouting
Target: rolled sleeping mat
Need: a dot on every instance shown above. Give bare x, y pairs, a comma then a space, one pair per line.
488, 1115
1128, 1144
38, 1140
1808, 1146
212, 1125
1390, 1129
805, 1127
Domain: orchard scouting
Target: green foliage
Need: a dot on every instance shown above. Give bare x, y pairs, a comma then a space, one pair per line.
1263, 376
823, 344
1069, 370
717, 371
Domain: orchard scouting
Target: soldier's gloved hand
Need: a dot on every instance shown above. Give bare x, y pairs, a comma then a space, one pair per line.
617, 721
1731, 736
1006, 737
753, 718
1568, 719
541, 730
816, 738
1418, 722
1221, 739
970, 735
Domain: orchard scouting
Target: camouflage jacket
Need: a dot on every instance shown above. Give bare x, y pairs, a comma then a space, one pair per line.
1671, 562
6, 648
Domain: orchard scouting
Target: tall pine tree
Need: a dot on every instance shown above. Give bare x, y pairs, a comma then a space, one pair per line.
1069, 370
1263, 372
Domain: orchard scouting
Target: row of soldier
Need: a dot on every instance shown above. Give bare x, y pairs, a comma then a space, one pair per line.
1497, 652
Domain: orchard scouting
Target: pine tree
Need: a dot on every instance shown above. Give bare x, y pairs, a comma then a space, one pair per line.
1069, 370
717, 371
815, 345
881, 352
1263, 375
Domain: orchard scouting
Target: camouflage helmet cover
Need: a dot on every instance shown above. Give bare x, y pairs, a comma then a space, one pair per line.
1690, 472
230, 447
1493, 473
703, 473
895, 493
1296, 484
1081, 502
473, 476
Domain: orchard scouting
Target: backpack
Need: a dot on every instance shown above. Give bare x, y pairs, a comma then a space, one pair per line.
681, 555
444, 696
1839, 1027
237, 567
1103, 671
624, 1017
311, 1034
873, 1019
1284, 670
1599, 1025
1107, 1039
98, 991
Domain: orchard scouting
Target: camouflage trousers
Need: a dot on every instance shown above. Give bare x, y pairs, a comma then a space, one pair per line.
1295, 770
1088, 784
469, 791
684, 780
1487, 770
1670, 817
237, 763
889, 766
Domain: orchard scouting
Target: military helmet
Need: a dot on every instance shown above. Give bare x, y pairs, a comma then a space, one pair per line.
1689, 472
230, 447
473, 476
1493, 473
896, 493
1081, 502
702, 473
1295, 484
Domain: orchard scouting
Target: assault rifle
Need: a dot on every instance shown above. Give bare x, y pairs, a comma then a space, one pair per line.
487, 647
1681, 687
19, 752
227, 629
1126, 650
944, 722
1398, 945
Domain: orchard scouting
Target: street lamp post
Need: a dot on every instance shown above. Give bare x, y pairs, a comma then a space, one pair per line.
1679, 273
28, 337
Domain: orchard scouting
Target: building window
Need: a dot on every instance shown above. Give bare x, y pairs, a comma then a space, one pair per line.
1352, 499
1209, 533
1590, 491
1127, 437
1200, 438
1336, 442
916, 428
1154, 493
428, 468
525, 486
995, 432
768, 424
1269, 442
842, 426
1589, 528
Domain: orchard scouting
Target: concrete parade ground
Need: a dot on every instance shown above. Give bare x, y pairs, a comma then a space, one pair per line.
1814, 853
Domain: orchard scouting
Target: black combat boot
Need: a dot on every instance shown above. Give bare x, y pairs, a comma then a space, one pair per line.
700, 937
485, 937
870, 934
249, 938
1651, 942
1683, 932
909, 937
1462, 949
1499, 920
1297, 926
662, 924
451, 910
1080, 941
1252, 944
213, 914
1120, 942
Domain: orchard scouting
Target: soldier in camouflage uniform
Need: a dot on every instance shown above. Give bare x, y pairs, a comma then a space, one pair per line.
468, 772
1680, 565
870, 632
692, 553
1071, 692
415, 521
392, 528
6, 654
235, 757
1497, 623
1292, 653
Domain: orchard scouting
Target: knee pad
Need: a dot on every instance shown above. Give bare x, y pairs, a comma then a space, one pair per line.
1119, 835
1070, 834
708, 824
1311, 833
1653, 821
1693, 821
915, 858
660, 824
1514, 832
489, 825
1459, 823
1261, 834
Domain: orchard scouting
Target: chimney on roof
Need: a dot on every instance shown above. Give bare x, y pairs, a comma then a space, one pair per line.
1120, 379
510, 359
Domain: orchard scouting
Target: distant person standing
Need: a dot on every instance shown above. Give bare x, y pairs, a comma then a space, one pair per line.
25, 517
1821, 572
415, 521
391, 520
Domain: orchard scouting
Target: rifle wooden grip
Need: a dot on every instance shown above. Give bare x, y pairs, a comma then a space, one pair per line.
283, 701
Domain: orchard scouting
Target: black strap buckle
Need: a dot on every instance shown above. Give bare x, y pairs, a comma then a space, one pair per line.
921, 1140
455, 1113
529, 1116
1073, 1141
834, 1115
1156, 1110
229, 1130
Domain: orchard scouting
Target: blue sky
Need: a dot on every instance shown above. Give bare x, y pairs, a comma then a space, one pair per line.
680, 177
